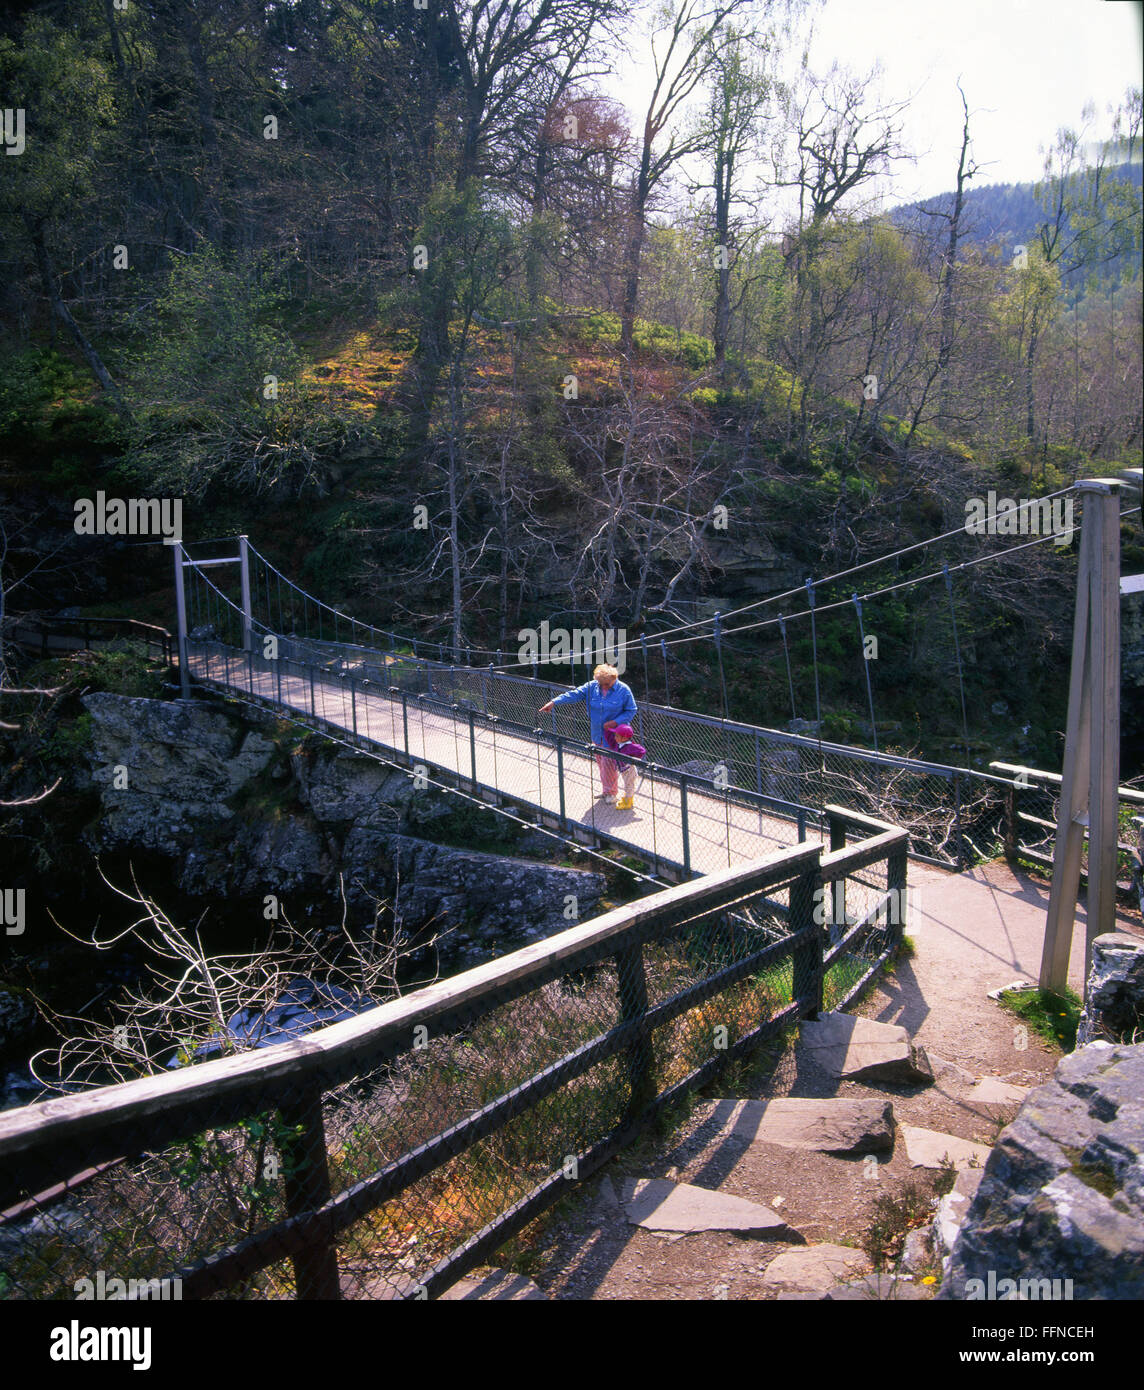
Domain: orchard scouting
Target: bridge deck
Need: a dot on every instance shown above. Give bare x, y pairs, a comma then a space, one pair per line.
722, 830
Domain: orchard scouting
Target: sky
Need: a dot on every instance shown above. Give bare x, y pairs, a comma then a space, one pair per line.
1027, 68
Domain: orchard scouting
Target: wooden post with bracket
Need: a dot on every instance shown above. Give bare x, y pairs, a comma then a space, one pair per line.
1092, 741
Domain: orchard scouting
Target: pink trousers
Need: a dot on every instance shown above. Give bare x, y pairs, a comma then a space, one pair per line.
609, 780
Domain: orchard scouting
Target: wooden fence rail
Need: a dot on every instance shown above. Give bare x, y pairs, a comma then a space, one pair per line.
46, 1144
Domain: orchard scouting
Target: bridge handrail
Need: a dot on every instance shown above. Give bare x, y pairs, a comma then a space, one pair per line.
339, 1048
897, 760
1054, 779
935, 809
322, 678
793, 809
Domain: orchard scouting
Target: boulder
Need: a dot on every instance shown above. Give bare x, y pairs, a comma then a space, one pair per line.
952, 1209
461, 887
166, 768
1060, 1208
1114, 1008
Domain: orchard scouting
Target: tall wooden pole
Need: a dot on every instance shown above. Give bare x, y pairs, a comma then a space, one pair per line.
1092, 741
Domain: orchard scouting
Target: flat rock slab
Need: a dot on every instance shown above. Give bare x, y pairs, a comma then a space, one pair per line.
657, 1204
813, 1271
927, 1148
948, 1076
991, 1090
858, 1049
827, 1126
494, 1286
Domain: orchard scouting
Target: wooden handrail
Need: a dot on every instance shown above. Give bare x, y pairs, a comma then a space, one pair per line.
1129, 794
240, 1084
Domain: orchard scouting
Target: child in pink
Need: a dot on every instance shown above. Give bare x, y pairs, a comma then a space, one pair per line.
622, 740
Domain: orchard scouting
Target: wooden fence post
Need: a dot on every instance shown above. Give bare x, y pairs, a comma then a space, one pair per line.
897, 868
307, 1181
837, 889
806, 962
1092, 741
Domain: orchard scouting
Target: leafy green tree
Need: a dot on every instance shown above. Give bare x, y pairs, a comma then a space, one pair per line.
63, 95
215, 385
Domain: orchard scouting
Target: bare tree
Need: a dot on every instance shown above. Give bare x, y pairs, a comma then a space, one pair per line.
686, 41
188, 1001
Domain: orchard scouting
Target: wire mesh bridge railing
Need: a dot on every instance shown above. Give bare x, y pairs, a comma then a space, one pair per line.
387, 1155
954, 816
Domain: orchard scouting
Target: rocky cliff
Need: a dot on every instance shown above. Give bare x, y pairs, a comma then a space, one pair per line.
243, 811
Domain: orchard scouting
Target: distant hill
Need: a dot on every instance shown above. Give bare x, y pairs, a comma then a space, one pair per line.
1004, 215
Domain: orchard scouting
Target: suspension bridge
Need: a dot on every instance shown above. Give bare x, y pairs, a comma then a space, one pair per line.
712, 793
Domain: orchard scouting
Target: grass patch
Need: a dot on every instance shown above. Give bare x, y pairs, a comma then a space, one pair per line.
1053, 1017
896, 1214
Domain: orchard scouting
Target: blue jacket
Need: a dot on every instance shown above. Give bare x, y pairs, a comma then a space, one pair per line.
618, 703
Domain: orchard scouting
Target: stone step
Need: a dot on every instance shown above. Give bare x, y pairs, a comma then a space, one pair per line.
858, 1049
494, 1286
657, 1204
991, 1090
829, 1125
927, 1148
964, 1085
813, 1270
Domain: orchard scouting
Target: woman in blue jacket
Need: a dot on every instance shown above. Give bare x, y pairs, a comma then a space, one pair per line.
610, 702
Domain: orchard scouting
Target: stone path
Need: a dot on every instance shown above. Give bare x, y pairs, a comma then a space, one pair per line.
934, 1066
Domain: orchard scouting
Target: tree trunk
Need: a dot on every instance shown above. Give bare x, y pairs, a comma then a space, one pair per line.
640, 190
35, 226
1030, 360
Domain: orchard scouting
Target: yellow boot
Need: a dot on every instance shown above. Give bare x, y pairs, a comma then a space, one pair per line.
625, 803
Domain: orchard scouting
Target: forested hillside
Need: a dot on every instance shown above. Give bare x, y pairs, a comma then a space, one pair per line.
467, 345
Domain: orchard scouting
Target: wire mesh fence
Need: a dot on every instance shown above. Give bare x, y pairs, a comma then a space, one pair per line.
955, 816
687, 821
392, 1152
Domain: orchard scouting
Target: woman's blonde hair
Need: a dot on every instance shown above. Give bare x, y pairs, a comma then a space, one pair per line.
605, 671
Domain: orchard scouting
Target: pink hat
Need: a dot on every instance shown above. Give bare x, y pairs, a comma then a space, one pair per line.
624, 733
